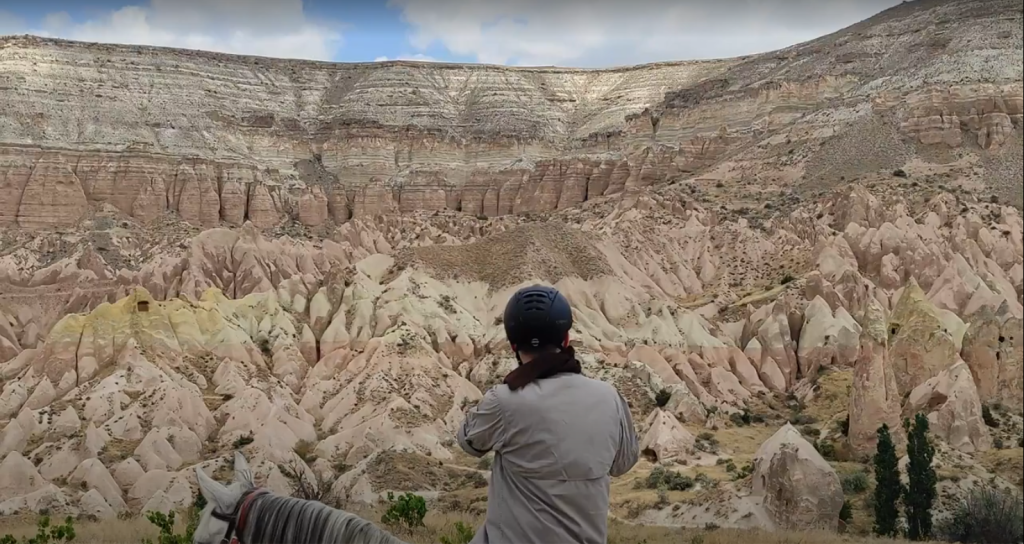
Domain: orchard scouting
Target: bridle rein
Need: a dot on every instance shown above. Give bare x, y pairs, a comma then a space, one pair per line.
236, 520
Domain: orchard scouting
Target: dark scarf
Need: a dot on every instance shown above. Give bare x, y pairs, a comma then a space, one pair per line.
544, 366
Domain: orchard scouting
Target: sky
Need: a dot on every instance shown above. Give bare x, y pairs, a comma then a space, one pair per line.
582, 33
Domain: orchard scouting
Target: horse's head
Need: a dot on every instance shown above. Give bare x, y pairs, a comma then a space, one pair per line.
221, 502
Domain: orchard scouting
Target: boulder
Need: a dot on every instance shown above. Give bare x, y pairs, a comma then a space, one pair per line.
799, 490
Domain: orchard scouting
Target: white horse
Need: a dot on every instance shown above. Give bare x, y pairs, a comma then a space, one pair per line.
241, 513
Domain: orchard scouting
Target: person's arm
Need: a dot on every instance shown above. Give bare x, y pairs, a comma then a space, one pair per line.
483, 429
629, 447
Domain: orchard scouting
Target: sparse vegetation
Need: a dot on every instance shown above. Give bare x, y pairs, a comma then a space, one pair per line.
803, 419
705, 481
311, 485
707, 443
46, 533
826, 448
304, 449
741, 419
985, 515
746, 470
165, 524
243, 441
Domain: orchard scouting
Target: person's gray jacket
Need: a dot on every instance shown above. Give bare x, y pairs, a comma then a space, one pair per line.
556, 443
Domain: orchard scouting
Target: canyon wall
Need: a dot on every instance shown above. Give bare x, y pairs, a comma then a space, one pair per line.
223, 139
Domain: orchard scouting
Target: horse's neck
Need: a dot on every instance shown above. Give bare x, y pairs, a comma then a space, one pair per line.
381, 536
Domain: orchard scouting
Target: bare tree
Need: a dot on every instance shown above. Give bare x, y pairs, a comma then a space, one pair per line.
311, 485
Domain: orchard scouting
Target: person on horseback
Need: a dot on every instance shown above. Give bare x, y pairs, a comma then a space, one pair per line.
557, 436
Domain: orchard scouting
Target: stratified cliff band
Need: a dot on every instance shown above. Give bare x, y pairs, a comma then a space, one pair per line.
223, 139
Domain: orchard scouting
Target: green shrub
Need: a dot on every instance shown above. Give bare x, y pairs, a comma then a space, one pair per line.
744, 471
741, 419
670, 480
45, 533
826, 449
485, 463
985, 515
407, 509
846, 513
707, 443
705, 481
855, 483
165, 524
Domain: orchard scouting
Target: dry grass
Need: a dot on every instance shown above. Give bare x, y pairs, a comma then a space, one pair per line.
833, 396
439, 524
107, 532
1008, 463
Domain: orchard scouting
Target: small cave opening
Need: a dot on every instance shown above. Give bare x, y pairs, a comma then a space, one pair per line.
1002, 339
142, 306
649, 455
894, 329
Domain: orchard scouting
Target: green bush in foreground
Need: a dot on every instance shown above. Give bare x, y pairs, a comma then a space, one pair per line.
407, 509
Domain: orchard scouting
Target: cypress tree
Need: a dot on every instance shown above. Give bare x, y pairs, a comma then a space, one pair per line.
888, 487
920, 493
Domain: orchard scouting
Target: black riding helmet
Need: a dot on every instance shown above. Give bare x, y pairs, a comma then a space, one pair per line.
537, 317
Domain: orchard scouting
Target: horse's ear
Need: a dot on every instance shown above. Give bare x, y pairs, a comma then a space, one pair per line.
213, 491
243, 474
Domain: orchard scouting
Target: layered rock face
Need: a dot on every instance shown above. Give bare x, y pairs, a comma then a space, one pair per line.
223, 139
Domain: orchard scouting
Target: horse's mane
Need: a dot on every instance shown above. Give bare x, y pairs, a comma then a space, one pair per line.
273, 519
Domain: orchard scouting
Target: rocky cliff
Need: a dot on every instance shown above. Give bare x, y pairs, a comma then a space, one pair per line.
221, 139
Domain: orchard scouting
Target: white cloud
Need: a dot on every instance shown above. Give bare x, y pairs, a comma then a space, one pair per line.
417, 57
613, 32
273, 28
10, 23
